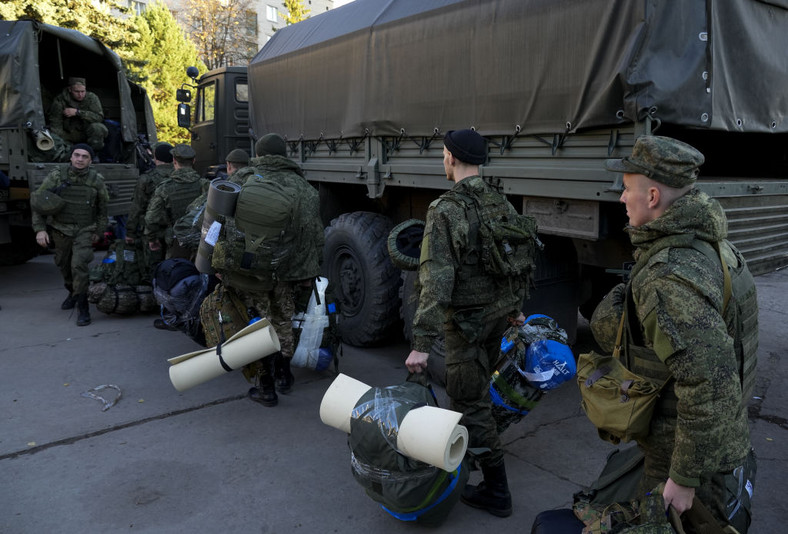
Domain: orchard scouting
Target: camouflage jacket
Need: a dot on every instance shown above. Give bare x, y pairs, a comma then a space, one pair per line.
143, 192
90, 111
98, 205
169, 202
280, 168
677, 295
445, 245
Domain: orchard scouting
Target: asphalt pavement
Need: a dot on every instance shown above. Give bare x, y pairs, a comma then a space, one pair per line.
209, 460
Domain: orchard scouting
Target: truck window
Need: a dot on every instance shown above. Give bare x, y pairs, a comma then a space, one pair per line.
206, 104
241, 91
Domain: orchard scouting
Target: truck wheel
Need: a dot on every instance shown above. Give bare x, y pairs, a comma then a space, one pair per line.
22, 247
436, 365
366, 283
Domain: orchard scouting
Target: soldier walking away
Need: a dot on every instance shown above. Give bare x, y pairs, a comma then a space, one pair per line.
691, 323
279, 290
73, 224
470, 306
76, 115
169, 202
140, 200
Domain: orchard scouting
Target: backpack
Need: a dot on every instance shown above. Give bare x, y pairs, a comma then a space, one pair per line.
507, 240
180, 289
408, 489
260, 242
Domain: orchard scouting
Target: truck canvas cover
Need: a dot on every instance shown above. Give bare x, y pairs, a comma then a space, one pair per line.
390, 67
36, 57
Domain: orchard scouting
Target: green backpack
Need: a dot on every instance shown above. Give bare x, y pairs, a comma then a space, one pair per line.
508, 240
261, 242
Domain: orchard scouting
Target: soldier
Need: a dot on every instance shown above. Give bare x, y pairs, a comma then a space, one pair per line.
471, 307
236, 160
143, 192
169, 202
75, 226
76, 115
277, 300
678, 331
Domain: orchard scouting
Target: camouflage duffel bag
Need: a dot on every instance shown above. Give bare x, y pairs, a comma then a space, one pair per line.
120, 299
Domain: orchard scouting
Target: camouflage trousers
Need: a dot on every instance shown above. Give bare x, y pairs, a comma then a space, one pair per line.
73, 256
277, 305
726, 495
469, 366
93, 134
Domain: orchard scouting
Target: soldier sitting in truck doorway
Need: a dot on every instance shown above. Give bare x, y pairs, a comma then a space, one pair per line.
76, 115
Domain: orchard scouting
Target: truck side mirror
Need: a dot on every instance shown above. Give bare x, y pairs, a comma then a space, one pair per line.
184, 115
183, 95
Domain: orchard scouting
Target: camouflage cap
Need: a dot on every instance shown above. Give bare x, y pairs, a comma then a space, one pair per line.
662, 159
238, 156
74, 80
183, 152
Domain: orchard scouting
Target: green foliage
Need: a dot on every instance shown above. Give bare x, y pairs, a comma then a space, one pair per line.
163, 52
296, 11
98, 19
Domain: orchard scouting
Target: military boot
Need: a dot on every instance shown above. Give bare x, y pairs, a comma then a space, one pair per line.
70, 301
284, 377
492, 494
265, 392
83, 319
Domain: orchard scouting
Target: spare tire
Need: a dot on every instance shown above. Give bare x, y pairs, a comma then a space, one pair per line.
404, 244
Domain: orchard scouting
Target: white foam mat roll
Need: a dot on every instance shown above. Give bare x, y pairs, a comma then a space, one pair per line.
255, 341
339, 400
434, 436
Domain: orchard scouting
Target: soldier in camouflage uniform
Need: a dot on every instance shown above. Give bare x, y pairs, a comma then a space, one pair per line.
471, 308
76, 115
291, 292
143, 192
676, 333
77, 226
169, 202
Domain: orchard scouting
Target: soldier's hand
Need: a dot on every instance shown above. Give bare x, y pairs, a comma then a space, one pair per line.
519, 321
154, 245
70, 112
129, 240
417, 361
42, 238
95, 238
678, 496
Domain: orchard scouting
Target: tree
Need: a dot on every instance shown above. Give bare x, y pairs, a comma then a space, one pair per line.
224, 31
163, 53
296, 11
96, 18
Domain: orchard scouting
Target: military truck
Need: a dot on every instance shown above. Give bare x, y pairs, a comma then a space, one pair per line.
36, 61
364, 94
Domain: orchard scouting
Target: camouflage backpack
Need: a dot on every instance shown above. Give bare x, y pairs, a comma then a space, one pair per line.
261, 242
507, 240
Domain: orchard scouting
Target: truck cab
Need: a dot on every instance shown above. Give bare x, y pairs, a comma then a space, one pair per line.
219, 121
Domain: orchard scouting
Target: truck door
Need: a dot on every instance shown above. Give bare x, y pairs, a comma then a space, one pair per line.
204, 130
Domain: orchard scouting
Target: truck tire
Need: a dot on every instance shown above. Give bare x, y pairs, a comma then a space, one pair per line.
22, 247
366, 283
436, 364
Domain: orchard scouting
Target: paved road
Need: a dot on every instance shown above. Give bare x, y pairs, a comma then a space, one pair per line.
210, 461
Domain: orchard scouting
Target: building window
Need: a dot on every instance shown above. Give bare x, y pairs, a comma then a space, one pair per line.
251, 24
271, 14
136, 7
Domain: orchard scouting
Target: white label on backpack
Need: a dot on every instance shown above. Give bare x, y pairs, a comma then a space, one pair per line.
213, 233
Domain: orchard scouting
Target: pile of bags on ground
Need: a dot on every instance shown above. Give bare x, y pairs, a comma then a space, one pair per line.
121, 283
